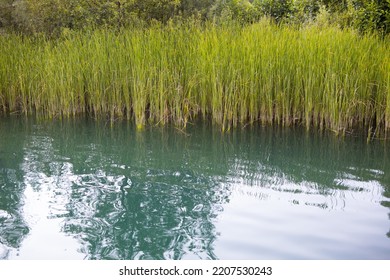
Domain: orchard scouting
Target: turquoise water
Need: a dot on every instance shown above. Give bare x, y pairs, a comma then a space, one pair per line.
85, 189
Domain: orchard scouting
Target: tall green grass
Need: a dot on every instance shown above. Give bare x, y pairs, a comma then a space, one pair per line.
324, 78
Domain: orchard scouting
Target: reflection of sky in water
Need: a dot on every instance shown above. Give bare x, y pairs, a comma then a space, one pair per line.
45, 200
270, 183
302, 219
45, 240
156, 196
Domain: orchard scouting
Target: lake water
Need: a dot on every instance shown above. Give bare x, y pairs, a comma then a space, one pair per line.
84, 189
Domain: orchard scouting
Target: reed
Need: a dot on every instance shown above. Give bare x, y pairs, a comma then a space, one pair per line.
323, 78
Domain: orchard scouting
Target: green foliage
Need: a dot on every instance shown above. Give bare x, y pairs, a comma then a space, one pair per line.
305, 11
363, 15
371, 15
199, 8
54, 16
242, 11
321, 77
161, 10
276, 9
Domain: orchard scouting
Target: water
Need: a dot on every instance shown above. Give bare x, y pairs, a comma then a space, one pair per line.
84, 189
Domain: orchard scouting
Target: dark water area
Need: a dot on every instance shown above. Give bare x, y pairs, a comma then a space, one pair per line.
84, 189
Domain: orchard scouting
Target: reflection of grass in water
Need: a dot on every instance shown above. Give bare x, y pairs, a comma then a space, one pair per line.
325, 78
180, 184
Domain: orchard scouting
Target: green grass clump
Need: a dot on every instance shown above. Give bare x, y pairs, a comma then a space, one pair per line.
317, 77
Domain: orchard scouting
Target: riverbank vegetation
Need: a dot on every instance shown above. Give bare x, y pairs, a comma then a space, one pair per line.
234, 62
53, 16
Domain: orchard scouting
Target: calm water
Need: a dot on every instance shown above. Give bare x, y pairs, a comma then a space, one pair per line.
87, 190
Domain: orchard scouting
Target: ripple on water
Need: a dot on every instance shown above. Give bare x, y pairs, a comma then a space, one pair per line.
198, 208
103, 181
139, 255
110, 253
358, 185
87, 228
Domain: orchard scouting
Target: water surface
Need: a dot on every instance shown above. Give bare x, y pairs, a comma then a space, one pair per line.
85, 189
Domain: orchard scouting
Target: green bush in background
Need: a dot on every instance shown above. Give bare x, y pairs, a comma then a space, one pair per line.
53, 16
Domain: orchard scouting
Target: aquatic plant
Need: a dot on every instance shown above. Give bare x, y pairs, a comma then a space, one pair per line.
321, 77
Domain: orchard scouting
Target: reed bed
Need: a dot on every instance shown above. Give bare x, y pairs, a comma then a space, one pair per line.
323, 78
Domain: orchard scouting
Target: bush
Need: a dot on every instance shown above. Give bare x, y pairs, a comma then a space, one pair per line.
304, 11
53, 16
371, 15
276, 9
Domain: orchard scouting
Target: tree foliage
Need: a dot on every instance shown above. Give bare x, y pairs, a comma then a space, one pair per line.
53, 16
